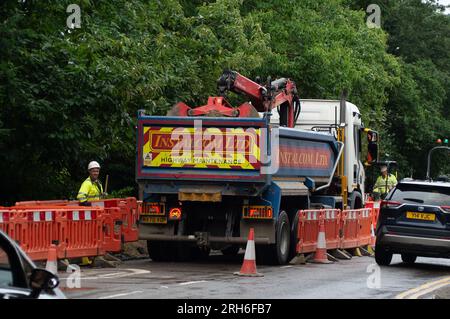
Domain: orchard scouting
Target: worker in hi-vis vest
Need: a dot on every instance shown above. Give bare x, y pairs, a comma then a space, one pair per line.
91, 189
385, 182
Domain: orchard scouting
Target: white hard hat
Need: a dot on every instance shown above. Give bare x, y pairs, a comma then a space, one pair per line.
93, 164
383, 168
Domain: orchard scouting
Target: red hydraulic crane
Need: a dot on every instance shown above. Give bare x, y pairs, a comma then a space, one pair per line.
280, 94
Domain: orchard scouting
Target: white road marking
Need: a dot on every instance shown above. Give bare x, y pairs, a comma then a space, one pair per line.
286, 266
191, 282
121, 295
164, 287
424, 289
121, 274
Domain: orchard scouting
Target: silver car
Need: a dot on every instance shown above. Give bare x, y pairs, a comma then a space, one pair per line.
19, 276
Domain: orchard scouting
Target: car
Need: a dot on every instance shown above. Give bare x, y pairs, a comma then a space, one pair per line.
414, 220
19, 276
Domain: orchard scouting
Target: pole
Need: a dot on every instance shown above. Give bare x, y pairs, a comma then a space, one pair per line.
106, 184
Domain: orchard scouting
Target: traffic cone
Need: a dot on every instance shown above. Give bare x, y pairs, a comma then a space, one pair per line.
320, 256
52, 260
248, 268
372, 233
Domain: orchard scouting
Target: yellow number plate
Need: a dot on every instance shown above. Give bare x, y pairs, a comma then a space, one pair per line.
421, 216
153, 220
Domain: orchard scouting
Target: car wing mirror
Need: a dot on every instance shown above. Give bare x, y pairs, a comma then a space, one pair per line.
40, 280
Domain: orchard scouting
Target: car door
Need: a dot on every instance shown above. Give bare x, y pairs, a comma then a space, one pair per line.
15, 271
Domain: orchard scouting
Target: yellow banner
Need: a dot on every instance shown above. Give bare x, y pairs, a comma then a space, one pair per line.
224, 148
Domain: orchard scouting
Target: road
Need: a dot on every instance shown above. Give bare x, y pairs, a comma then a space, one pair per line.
213, 278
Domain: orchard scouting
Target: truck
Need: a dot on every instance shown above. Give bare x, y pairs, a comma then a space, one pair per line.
208, 174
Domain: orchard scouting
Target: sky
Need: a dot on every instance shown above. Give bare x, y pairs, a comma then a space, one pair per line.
445, 3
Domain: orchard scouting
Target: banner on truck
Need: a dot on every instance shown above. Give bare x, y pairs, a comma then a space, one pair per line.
191, 147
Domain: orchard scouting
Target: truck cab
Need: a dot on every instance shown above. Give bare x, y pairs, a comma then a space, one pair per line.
325, 116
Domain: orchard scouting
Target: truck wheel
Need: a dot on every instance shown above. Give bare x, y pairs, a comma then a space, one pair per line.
382, 257
294, 231
155, 250
355, 200
278, 253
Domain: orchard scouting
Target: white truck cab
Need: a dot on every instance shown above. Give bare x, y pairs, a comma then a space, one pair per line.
325, 116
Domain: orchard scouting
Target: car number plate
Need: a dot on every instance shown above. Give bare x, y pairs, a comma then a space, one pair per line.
421, 216
153, 220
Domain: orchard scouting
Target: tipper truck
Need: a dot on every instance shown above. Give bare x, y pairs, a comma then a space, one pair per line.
208, 174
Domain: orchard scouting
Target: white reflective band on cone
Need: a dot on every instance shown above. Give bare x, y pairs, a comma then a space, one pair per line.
250, 250
321, 243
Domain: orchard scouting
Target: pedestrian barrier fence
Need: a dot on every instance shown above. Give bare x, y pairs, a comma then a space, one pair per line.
343, 229
83, 231
375, 207
75, 231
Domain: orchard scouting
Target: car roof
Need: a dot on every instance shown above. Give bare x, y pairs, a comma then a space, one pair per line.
408, 181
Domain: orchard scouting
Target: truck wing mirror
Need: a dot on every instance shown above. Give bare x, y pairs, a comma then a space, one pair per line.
372, 146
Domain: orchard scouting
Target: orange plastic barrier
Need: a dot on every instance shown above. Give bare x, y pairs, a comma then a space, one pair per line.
332, 228
364, 231
129, 209
80, 231
112, 232
4, 220
34, 230
308, 230
56, 202
375, 207
350, 228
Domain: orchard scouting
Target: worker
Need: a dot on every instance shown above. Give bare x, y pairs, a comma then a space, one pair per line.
91, 189
385, 182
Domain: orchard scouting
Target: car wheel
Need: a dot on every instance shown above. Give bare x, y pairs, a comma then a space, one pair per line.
408, 258
382, 257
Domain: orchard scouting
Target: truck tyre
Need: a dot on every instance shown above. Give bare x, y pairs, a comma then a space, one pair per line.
355, 200
155, 250
409, 259
294, 233
382, 257
278, 253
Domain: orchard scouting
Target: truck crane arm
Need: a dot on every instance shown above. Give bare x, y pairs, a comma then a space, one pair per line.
281, 94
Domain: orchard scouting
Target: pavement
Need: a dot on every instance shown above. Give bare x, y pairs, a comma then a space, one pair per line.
358, 278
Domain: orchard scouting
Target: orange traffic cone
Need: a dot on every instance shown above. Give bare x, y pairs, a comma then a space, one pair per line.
372, 235
249, 265
52, 260
320, 255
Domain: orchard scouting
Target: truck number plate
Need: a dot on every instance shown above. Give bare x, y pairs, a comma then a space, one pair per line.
153, 220
421, 216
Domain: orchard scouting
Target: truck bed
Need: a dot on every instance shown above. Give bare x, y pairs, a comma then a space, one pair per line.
167, 159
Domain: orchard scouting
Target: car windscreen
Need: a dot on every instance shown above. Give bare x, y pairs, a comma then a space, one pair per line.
422, 194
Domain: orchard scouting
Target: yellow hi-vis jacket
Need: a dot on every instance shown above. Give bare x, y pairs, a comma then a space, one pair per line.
90, 191
380, 184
